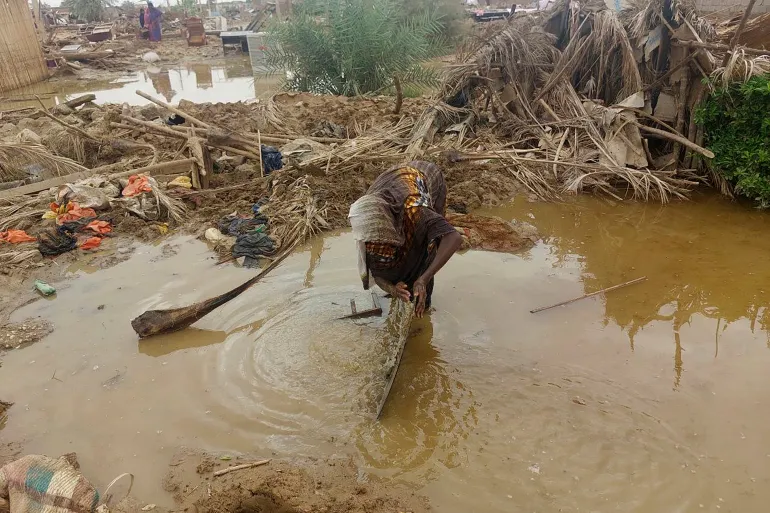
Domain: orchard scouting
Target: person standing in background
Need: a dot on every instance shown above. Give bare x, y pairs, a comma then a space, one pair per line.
141, 17
152, 18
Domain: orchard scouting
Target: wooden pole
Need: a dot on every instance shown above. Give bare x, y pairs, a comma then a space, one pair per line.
173, 109
719, 47
738, 31
261, 165
626, 284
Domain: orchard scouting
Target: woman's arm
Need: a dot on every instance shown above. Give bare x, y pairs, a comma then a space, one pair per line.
447, 246
398, 290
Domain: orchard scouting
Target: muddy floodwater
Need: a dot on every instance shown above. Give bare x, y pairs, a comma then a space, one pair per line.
231, 80
652, 399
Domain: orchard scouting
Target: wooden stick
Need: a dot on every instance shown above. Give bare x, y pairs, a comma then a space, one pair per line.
676, 138
261, 165
738, 32
227, 470
589, 295
153, 127
719, 47
399, 95
173, 109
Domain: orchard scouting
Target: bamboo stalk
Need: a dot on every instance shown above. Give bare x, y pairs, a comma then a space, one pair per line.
614, 287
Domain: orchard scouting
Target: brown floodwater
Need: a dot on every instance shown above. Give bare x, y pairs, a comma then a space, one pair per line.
651, 398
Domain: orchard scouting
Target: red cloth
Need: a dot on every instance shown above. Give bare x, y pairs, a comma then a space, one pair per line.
91, 243
137, 184
16, 236
100, 227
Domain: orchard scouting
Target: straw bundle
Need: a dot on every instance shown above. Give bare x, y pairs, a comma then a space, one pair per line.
21, 57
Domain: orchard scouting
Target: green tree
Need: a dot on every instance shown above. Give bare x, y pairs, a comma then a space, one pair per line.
87, 10
736, 125
189, 6
351, 47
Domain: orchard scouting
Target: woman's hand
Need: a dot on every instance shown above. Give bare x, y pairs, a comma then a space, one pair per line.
420, 296
401, 291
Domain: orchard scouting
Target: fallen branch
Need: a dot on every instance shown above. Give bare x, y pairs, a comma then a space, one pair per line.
638, 280
676, 138
240, 467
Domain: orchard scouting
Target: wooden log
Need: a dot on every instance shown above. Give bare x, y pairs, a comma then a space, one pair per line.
154, 127
719, 47
676, 138
80, 100
173, 167
173, 109
86, 56
738, 32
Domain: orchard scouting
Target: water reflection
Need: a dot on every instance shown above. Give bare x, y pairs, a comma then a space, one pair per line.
695, 269
234, 81
429, 413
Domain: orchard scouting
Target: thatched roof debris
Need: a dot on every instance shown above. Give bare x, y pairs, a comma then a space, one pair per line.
584, 96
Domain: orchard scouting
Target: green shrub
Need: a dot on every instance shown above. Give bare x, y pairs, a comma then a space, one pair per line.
87, 10
736, 124
351, 47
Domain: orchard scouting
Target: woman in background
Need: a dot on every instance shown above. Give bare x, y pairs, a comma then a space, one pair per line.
141, 17
153, 18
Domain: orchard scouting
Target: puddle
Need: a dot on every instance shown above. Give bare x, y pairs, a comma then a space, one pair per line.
652, 398
232, 82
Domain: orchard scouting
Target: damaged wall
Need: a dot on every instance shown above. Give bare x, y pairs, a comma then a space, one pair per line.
21, 57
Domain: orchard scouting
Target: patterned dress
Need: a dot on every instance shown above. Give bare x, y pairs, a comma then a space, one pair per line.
416, 193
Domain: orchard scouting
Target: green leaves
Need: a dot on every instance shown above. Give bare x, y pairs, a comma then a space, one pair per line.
87, 10
351, 47
736, 123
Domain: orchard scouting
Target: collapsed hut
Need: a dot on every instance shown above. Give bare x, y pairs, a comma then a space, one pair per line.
588, 97
21, 56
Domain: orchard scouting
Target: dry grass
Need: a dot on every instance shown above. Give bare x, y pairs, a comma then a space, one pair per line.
15, 158
294, 213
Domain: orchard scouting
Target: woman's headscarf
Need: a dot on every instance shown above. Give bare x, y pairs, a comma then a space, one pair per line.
373, 221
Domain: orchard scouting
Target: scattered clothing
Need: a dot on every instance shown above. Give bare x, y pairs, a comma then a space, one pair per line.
55, 243
91, 243
399, 222
71, 212
47, 485
253, 245
272, 160
233, 225
180, 181
44, 288
16, 236
137, 184
99, 227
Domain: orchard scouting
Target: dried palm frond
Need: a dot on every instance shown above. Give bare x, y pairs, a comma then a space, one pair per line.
17, 210
15, 158
644, 15
18, 256
294, 213
740, 68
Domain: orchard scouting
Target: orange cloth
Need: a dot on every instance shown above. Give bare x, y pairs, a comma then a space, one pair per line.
91, 243
100, 227
137, 184
73, 213
16, 236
